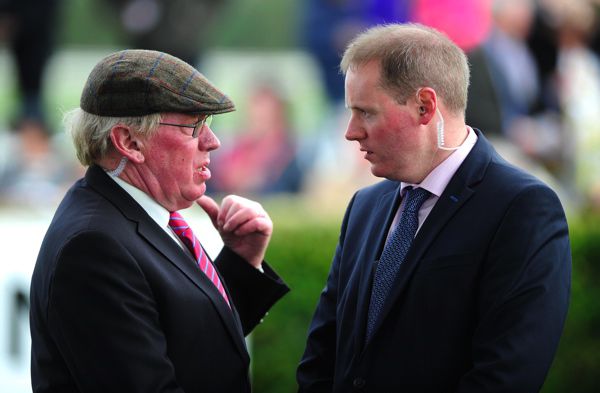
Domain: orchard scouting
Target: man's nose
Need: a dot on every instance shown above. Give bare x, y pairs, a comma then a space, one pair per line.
354, 130
208, 140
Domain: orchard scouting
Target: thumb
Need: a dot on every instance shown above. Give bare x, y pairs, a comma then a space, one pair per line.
210, 207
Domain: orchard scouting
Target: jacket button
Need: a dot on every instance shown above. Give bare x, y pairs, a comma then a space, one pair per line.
359, 383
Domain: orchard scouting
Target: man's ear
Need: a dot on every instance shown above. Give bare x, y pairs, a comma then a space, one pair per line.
126, 143
426, 100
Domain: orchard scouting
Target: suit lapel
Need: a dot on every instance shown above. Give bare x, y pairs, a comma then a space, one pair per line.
457, 193
384, 211
183, 262
157, 238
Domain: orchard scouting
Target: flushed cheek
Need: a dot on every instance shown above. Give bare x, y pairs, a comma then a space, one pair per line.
187, 173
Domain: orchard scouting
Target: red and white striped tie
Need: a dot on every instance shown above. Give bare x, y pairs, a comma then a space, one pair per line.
183, 230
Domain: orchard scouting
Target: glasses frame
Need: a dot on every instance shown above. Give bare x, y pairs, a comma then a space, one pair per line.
207, 120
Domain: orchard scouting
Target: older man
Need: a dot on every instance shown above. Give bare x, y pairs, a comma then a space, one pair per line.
453, 274
123, 296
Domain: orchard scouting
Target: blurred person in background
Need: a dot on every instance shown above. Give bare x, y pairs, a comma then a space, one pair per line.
511, 65
174, 26
123, 296
262, 158
511, 97
575, 24
327, 27
420, 297
30, 165
29, 26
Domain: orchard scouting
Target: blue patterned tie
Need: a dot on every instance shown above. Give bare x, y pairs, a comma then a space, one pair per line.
393, 254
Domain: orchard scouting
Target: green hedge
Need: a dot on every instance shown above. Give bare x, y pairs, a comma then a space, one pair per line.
578, 359
301, 251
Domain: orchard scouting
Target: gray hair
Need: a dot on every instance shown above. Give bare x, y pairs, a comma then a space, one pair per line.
91, 133
412, 56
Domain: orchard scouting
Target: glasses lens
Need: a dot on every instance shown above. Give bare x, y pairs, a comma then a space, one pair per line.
207, 120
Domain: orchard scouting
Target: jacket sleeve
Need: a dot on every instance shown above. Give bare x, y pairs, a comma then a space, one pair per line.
253, 292
522, 298
102, 315
316, 370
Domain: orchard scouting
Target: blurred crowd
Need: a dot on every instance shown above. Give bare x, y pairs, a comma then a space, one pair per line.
535, 90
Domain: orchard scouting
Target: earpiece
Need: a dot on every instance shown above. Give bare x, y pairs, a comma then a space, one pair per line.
440, 133
422, 110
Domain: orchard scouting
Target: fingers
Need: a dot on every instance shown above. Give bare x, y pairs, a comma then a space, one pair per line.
210, 207
244, 226
243, 216
237, 215
260, 225
244, 222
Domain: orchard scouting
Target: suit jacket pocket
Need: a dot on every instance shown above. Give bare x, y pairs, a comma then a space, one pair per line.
446, 263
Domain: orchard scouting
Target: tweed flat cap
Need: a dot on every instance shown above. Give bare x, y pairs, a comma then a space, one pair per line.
141, 82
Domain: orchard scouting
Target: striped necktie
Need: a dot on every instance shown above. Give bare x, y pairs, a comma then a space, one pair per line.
184, 232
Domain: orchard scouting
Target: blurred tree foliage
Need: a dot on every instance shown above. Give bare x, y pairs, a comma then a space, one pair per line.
302, 249
254, 24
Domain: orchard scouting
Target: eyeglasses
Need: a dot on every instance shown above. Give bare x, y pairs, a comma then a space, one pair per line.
206, 120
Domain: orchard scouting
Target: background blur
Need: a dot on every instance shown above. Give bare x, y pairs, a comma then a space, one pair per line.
535, 93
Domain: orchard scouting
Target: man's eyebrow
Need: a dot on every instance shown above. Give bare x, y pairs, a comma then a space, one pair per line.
355, 106
362, 108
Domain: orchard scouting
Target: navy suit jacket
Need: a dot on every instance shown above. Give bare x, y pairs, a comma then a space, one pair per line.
118, 306
479, 302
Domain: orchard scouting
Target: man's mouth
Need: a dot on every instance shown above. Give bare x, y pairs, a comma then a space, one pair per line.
366, 152
204, 172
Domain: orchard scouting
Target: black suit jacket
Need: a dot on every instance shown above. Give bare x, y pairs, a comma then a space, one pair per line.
118, 306
479, 302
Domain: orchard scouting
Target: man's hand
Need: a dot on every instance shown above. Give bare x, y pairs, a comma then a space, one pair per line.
244, 225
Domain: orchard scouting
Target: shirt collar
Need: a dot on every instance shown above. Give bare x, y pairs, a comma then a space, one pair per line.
437, 180
153, 208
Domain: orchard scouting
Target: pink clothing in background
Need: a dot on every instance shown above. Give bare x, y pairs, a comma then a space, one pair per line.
466, 22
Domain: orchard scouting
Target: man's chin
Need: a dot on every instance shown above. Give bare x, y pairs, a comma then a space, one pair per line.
377, 172
191, 197
201, 190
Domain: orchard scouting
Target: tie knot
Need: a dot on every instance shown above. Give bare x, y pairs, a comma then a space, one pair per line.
177, 223
415, 198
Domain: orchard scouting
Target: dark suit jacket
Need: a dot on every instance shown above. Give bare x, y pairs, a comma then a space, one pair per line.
118, 306
479, 302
